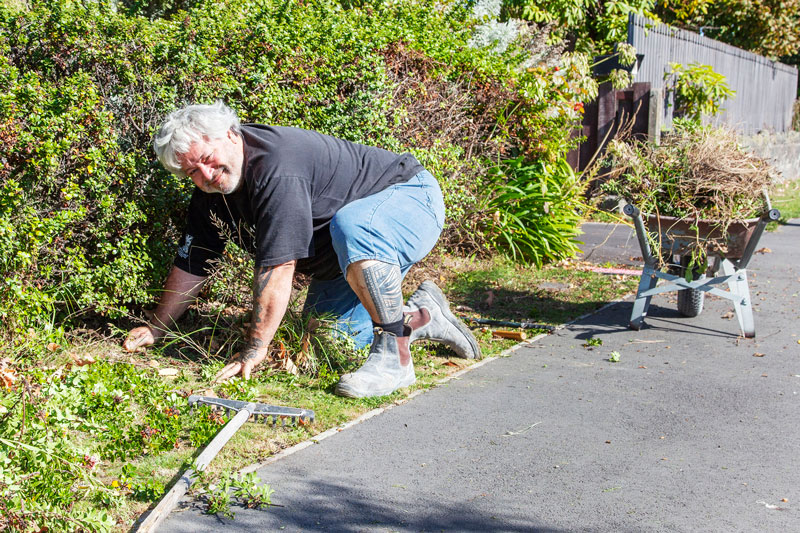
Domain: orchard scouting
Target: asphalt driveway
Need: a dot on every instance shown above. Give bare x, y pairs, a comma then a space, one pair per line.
694, 429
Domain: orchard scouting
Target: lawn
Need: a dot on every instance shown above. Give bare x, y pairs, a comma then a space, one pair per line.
786, 198
112, 430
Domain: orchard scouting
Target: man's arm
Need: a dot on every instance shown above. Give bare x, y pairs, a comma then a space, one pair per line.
180, 290
272, 289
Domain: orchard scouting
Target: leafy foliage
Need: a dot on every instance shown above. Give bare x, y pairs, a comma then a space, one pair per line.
247, 488
88, 220
767, 27
595, 26
697, 89
48, 476
251, 491
536, 212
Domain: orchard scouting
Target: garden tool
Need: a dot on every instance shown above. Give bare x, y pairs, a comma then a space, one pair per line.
679, 236
507, 323
268, 414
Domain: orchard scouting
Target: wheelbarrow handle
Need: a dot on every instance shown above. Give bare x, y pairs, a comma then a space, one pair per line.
631, 210
771, 215
641, 233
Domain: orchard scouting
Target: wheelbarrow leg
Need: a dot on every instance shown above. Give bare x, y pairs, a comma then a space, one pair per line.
741, 301
642, 303
648, 280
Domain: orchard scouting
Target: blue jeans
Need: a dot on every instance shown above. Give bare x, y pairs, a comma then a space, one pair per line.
399, 225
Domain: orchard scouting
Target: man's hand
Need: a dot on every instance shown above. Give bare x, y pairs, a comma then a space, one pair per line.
139, 338
180, 289
243, 362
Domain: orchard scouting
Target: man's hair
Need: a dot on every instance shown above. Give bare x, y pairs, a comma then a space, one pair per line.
193, 123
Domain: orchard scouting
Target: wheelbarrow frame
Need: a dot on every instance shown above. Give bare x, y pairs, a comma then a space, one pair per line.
734, 273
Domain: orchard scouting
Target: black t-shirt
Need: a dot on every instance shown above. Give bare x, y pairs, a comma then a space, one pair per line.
293, 182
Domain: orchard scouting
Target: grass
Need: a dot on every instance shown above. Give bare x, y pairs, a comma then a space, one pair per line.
552, 295
496, 289
787, 199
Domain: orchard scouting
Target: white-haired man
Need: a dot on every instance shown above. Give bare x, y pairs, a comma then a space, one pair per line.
354, 217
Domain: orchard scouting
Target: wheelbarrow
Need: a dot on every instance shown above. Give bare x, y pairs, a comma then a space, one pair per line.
676, 239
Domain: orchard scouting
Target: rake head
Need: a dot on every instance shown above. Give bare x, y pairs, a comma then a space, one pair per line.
260, 412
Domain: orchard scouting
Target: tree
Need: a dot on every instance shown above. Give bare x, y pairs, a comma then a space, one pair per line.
767, 27
593, 26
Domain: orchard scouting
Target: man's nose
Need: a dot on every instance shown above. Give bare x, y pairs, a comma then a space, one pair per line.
206, 172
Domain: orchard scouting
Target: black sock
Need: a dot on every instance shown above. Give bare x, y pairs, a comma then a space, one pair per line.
394, 327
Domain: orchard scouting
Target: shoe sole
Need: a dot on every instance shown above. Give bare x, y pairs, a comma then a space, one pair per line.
440, 299
349, 392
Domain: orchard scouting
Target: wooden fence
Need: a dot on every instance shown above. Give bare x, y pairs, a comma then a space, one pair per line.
765, 90
604, 116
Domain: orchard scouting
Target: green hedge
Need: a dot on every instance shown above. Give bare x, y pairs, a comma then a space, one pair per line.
88, 220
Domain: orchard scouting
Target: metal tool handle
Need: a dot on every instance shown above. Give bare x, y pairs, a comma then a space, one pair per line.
641, 233
171, 499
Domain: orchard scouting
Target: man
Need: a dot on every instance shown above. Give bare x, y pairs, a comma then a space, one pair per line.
355, 218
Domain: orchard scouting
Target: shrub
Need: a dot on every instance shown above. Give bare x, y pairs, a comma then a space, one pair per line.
536, 212
88, 219
697, 90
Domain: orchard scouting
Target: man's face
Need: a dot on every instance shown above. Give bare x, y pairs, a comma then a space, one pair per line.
215, 165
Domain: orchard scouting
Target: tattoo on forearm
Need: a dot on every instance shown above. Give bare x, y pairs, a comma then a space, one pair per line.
250, 351
260, 282
261, 278
384, 286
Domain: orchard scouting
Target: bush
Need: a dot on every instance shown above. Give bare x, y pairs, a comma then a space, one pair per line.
536, 212
88, 219
698, 90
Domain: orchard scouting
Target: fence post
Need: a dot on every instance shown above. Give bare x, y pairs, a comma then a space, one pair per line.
656, 115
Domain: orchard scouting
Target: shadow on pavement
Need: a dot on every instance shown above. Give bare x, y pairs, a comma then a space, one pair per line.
659, 318
330, 506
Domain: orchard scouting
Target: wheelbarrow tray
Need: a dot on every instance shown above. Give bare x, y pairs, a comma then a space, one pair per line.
679, 236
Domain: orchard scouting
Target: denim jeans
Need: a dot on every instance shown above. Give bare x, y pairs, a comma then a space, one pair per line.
399, 225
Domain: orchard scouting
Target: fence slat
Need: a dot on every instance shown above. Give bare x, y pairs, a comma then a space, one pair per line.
765, 90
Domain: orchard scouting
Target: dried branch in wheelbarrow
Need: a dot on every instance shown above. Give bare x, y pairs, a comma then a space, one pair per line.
697, 172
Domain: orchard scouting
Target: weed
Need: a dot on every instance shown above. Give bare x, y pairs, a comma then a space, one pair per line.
594, 341
237, 389
218, 495
614, 357
254, 495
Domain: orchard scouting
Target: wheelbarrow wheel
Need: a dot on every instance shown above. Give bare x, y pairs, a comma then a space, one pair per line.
690, 301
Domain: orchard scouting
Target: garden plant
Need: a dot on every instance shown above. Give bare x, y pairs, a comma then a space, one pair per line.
90, 436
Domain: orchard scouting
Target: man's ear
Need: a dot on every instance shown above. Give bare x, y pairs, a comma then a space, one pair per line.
235, 139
